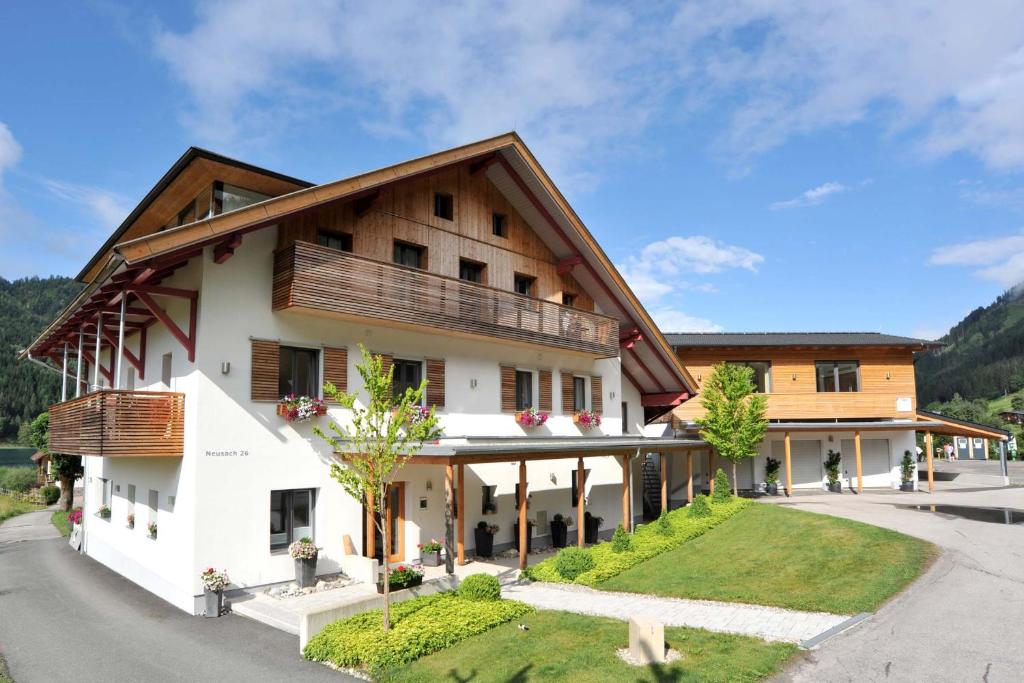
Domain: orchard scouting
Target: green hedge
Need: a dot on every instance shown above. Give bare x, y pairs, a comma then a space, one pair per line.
418, 627
480, 587
648, 540
19, 479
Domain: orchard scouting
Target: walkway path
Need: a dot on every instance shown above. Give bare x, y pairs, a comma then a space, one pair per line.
769, 623
30, 526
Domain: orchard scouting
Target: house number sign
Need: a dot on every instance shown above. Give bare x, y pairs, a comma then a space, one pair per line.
234, 453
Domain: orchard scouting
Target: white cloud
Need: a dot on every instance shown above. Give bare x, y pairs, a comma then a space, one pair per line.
999, 259
672, 320
815, 195
10, 150
108, 208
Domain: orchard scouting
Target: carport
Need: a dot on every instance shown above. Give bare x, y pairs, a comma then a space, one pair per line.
949, 426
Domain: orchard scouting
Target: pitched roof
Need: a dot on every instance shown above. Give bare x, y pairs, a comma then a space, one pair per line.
720, 339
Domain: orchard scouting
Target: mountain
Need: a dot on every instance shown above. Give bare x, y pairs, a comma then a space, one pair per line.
983, 357
26, 306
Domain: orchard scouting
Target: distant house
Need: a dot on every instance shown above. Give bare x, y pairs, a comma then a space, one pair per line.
1013, 416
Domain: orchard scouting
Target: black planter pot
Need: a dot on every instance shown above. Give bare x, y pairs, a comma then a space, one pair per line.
772, 489
836, 487
412, 583
431, 559
484, 543
529, 536
305, 572
907, 486
213, 603
590, 529
559, 531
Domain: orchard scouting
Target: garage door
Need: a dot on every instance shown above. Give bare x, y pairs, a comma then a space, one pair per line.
805, 459
745, 473
875, 461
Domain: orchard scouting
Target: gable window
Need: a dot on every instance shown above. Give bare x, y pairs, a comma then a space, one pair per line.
188, 214
230, 197
762, 373
165, 370
408, 375
471, 271
499, 225
524, 389
342, 241
837, 375
568, 299
524, 284
291, 517
411, 255
444, 205
298, 372
579, 393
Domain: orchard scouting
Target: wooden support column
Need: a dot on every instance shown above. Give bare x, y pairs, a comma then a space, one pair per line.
371, 529
689, 477
449, 499
970, 447
860, 471
789, 465
626, 521
461, 517
523, 530
663, 461
581, 488
928, 450
711, 471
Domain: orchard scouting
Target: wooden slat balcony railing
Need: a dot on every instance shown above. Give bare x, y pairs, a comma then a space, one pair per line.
318, 279
113, 423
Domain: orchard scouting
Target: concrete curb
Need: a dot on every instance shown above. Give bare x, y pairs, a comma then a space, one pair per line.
817, 640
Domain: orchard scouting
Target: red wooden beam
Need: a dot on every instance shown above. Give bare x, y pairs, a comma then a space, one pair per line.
647, 370
478, 167
566, 265
632, 380
189, 340
663, 400
162, 291
129, 356
92, 362
226, 249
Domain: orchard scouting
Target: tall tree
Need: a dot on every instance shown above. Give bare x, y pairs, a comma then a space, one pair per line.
68, 467
734, 423
379, 441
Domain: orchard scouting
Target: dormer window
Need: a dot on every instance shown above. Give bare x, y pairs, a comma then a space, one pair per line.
444, 206
499, 225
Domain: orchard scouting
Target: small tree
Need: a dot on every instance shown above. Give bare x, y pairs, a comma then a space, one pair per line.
734, 422
380, 440
68, 468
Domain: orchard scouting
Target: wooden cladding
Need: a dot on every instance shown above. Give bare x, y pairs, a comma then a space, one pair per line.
111, 423
596, 395
544, 380
508, 388
266, 359
435, 382
336, 367
318, 279
568, 404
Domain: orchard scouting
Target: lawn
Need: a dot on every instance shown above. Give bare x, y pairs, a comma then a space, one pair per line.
60, 520
11, 508
771, 555
560, 646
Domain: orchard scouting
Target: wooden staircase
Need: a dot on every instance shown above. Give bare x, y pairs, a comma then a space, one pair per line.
651, 486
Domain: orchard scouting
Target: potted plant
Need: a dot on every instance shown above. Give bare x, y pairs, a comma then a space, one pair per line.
771, 476
586, 419
301, 408
529, 534
304, 552
131, 520
75, 516
490, 508
907, 472
832, 464
104, 512
402, 576
531, 417
152, 529
430, 553
214, 583
591, 525
484, 533
559, 530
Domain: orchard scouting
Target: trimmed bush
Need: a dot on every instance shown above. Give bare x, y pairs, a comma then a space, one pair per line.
621, 542
418, 627
663, 525
19, 479
50, 494
571, 562
482, 587
699, 507
723, 491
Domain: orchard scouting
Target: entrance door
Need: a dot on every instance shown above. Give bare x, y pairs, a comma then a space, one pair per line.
396, 522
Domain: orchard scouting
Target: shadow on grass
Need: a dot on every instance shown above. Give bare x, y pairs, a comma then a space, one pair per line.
518, 677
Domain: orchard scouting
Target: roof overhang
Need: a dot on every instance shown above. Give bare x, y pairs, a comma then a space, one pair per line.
943, 424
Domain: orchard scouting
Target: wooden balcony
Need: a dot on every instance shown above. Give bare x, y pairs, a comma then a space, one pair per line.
316, 279
112, 423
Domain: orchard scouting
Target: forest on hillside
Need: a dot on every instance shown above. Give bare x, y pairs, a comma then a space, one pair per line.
26, 306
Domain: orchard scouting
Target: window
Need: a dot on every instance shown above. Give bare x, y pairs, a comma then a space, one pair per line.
291, 517
575, 485
524, 389
342, 241
187, 215
153, 504
625, 418
444, 206
106, 487
579, 393
488, 505
131, 499
471, 271
762, 373
165, 370
229, 197
568, 299
408, 375
409, 255
499, 225
523, 284
837, 375
130, 384
298, 372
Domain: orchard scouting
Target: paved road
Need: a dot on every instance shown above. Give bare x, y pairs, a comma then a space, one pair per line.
959, 621
1015, 468
65, 617
29, 526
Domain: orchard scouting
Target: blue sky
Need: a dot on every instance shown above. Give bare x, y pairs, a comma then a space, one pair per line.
748, 164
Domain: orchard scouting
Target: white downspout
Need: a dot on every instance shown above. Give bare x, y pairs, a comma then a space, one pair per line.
120, 344
64, 376
78, 367
99, 338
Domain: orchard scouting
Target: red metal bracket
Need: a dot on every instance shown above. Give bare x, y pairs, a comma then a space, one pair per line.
566, 265
186, 340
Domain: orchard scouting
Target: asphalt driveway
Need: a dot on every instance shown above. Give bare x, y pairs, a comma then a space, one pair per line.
65, 617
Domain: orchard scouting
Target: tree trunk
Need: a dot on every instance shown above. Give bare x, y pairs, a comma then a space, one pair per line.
385, 529
67, 492
735, 481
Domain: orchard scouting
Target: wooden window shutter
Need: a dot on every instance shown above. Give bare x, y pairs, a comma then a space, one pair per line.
508, 389
596, 395
567, 402
544, 380
435, 382
266, 360
336, 367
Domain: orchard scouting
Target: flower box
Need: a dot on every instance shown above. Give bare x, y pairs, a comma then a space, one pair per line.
301, 408
586, 419
430, 554
402, 576
393, 587
531, 417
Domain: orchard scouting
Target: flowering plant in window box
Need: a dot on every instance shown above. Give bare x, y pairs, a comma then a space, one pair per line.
75, 516
531, 417
402, 576
151, 527
587, 419
430, 553
104, 511
131, 520
301, 408
416, 415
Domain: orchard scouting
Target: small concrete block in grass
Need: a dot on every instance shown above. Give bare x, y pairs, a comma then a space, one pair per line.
646, 640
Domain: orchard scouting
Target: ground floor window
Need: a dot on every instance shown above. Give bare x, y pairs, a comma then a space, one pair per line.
291, 517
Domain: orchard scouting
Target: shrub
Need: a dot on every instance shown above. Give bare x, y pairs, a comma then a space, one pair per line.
571, 562
19, 479
480, 587
50, 494
699, 507
664, 526
621, 541
723, 491
418, 627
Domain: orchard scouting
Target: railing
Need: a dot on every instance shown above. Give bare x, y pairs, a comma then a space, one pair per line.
113, 423
307, 276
